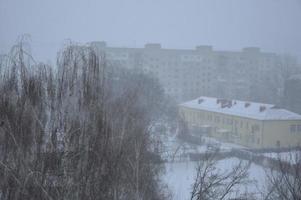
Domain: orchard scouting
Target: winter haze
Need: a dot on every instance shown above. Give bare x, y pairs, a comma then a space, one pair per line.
273, 25
150, 99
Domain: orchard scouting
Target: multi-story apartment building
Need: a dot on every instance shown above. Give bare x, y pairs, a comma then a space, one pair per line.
188, 73
255, 125
292, 93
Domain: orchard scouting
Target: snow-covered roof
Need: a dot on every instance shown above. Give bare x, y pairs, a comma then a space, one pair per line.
259, 111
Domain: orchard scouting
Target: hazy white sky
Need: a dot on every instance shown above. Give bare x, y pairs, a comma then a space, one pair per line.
273, 25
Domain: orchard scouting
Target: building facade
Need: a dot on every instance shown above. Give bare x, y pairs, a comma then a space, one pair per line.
189, 73
254, 125
292, 93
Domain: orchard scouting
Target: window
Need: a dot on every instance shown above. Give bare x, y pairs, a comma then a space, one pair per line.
217, 119
255, 128
200, 115
253, 138
293, 128
299, 128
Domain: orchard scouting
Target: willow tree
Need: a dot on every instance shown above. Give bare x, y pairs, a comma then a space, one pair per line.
77, 131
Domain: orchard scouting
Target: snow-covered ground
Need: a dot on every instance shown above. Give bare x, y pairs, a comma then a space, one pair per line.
223, 146
290, 157
180, 171
176, 150
179, 176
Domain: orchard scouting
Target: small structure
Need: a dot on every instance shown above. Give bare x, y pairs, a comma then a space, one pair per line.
255, 125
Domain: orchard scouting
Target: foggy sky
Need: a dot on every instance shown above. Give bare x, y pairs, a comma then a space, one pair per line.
273, 25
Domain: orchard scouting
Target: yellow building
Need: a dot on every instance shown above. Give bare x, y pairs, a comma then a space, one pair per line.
255, 125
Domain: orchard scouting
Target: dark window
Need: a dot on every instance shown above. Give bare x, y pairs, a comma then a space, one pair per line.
230, 121
299, 128
293, 128
217, 119
255, 128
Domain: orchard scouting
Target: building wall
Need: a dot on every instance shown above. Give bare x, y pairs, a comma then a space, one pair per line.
281, 131
244, 131
186, 74
292, 93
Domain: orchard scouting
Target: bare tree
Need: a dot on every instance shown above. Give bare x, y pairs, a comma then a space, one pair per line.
284, 179
23, 125
213, 183
80, 131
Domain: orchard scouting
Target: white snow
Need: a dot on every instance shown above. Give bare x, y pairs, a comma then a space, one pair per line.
179, 176
180, 171
177, 150
223, 146
291, 157
239, 108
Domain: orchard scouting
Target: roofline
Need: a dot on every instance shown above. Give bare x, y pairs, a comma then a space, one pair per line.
258, 119
245, 101
217, 51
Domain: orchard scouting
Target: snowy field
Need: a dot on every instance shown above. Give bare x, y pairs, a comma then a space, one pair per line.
291, 157
179, 176
177, 150
180, 171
